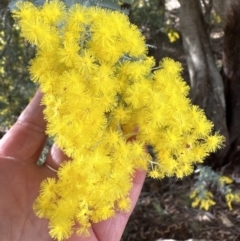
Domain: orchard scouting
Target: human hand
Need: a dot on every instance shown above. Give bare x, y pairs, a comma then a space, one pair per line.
20, 179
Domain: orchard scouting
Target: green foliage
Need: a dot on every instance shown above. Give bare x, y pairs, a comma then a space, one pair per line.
15, 86
148, 15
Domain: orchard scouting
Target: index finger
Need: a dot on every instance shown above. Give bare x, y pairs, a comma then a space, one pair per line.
26, 138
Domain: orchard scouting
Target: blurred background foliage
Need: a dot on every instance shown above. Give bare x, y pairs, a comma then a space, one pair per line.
16, 89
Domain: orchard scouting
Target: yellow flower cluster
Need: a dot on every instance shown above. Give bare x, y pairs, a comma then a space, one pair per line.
204, 199
232, 197
204, 202
173, 35
103, 106
225, 180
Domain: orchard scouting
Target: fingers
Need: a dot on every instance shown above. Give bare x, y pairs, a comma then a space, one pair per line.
55, 157
26, 138
113, 228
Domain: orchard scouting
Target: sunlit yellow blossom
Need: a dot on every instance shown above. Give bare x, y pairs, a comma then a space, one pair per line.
171, 138
43, 206
61, 230
53, 12
214, 142
135, 41
171, 66
103, 213
206, 204
103, 35
237, 197
203, 200
77, 17
47, 187
134, 71
203, 127
121, 114
39, 33
173, 36
193, 194
84, 230
124, 204
104, 80
199, 153
229, 199
197, 114
196, 202
69, 53
118, 21
26, 11
108, 101
154, 173
86, 63
225, 180
182, 86
112, 138
168, 164
136, 94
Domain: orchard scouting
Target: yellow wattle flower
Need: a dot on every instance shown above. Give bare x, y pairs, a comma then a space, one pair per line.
204, 200
100, 94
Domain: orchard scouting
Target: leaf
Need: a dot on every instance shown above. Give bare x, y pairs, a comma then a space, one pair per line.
158, 207
3, 105
39, 2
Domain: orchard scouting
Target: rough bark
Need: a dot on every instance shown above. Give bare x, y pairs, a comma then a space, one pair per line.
207, 89
3, 4
231, 76
222, 7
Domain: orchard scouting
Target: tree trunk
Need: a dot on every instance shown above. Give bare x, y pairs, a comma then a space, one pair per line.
3, 4
206, 83
231, 76
222, 7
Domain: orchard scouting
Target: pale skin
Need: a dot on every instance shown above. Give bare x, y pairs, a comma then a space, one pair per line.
20, 179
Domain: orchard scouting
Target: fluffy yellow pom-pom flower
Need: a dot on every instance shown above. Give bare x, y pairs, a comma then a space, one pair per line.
103, 106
